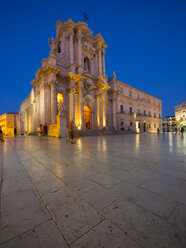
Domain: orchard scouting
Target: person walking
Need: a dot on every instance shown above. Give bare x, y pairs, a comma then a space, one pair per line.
71, 132
182, 130
45, 130
40, 131
1, 134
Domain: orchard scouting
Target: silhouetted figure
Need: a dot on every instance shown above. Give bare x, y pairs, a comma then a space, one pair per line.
182, 130
1, 134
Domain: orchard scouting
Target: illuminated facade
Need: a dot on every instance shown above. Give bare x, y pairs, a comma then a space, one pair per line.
74, 75
180, 114
8, 123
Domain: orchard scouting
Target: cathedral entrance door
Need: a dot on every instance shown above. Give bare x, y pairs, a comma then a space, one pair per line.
87, 117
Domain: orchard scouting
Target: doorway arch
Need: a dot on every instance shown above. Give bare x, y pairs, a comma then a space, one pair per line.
87, 117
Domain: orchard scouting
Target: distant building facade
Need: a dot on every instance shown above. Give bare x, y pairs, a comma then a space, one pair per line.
169, 123
9, 123
180, 114
72, 83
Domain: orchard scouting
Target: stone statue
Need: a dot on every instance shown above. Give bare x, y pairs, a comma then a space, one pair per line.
61, 109
86, 65
52, 47
114, 75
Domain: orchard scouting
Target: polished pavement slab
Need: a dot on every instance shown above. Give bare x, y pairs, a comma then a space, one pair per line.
110, 191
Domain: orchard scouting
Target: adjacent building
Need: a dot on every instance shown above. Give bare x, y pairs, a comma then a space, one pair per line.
180, 114
8, 123
72, 83
169, 123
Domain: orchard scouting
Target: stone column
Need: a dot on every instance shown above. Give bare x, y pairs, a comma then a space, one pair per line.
76, 108
99, 62
71, 101
71, 51
103, 59
81, 107
79, 52
114, 109
53, 102
97, 111
104, 110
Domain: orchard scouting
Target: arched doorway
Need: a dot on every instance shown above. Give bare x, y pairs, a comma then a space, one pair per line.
87, 117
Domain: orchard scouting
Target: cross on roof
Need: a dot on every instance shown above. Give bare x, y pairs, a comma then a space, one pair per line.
85, 15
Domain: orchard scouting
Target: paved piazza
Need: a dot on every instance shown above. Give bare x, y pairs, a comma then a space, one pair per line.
123, 191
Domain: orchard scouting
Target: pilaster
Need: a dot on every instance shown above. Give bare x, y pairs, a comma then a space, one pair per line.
53, 102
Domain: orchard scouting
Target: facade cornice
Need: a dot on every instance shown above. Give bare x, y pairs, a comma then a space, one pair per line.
139, 101
45, 71
131, 87
75, 77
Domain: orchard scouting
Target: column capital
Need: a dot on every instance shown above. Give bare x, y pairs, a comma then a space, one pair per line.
52, 83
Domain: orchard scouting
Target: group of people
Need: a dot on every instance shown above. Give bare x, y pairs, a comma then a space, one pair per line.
176, 130
42, 131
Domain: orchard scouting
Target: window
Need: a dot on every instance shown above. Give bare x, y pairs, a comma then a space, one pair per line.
139, 125
149, 113
130, 110
144, 112
138, 111
121, 123
130, 93
138, 96
149, 125
154, 114
159, 125
159, 115
59, 49
131, 124
121, 108
154, 125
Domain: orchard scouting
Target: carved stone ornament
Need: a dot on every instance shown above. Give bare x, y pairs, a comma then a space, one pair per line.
87, 86
88, 100
61, 109
52, 46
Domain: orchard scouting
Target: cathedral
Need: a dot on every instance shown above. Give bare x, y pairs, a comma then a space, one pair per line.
72, 85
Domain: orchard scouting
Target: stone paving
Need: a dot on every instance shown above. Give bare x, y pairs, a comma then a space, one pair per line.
124, 191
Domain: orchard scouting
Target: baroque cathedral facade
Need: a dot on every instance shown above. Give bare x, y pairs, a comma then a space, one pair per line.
72, 83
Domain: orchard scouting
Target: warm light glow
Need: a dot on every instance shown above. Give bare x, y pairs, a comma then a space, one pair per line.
137, 128
60, 97
87, 117
104, 118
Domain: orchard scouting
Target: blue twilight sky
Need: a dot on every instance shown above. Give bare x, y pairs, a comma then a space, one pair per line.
146, 44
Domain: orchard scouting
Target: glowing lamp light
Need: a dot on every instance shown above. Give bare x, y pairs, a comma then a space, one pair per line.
60, 97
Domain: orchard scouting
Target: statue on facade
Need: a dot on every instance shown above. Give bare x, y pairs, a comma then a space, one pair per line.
86, 65
87, 86
61, 109
52, 47
114, 75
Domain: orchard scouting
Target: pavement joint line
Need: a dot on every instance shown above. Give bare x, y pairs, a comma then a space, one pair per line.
141, 187
118, 226
184, 181
172, 211
46, 167
87, 231
28, 230
122, 197
43, 201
